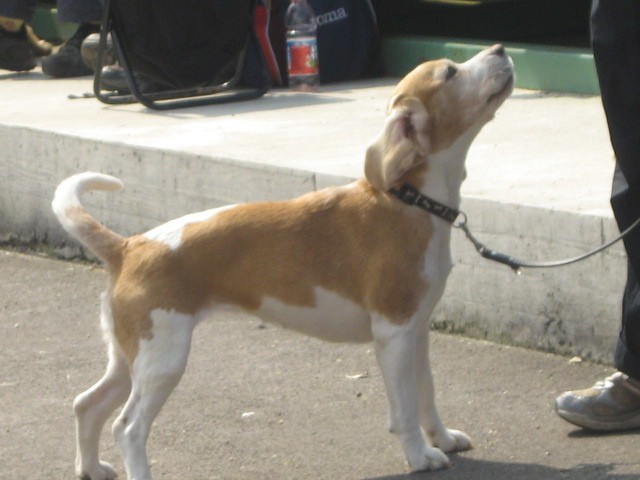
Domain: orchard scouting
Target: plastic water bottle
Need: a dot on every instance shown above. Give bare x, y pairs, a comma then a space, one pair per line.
302, 47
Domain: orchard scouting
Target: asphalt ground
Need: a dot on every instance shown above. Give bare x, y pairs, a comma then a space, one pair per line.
259, 402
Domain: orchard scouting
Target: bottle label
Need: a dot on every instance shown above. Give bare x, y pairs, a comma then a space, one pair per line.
302, 56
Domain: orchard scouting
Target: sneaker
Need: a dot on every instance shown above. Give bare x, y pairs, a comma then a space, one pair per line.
39, 47
89, 51
67, 62
610, 405
15, 51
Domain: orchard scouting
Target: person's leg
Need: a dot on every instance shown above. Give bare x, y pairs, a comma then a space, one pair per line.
80, 11
67, 62
16, 53
616, 49
614, 404
627, 358
15, 12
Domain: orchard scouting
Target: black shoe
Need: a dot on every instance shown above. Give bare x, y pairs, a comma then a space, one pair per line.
68, 61
113, 79
15, 51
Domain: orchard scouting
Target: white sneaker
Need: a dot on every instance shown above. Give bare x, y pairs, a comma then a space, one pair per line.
610, 405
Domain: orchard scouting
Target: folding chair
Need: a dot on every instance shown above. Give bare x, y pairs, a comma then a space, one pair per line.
184, 53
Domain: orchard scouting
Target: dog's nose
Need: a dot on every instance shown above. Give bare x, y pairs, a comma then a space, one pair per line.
497, 49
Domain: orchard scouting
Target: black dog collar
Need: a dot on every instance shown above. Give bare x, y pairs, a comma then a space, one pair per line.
412, 196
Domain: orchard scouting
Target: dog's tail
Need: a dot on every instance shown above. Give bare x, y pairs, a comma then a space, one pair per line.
106, 244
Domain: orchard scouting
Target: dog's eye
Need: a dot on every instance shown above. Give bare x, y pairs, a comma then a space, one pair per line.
451, 72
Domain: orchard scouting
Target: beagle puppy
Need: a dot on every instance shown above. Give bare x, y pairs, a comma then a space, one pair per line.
346, 264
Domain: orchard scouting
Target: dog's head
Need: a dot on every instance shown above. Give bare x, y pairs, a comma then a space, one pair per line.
432, 107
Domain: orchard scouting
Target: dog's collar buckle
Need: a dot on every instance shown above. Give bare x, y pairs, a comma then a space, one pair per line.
412, 196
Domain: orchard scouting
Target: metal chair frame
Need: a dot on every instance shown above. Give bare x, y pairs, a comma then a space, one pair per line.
229, 91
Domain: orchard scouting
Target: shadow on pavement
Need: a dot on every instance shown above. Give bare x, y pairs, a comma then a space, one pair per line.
473, 469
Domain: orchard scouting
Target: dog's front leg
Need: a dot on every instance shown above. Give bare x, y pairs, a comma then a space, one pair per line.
397, 354
447, 440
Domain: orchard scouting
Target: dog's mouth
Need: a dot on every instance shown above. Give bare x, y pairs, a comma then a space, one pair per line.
504, 90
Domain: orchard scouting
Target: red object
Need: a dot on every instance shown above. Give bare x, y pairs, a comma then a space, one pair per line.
261, 24
303, 57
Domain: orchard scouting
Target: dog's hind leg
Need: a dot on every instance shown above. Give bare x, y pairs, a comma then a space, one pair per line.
397, 354
93, 407
157, 369
446, 439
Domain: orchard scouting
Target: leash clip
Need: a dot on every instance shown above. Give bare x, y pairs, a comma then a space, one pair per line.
487, 253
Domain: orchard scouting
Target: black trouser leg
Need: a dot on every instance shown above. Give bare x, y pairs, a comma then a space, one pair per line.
615, 33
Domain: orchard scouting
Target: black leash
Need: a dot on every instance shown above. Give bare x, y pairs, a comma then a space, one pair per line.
517, 265
411, 196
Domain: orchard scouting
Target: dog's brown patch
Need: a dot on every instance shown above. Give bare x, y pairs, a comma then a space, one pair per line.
355, 241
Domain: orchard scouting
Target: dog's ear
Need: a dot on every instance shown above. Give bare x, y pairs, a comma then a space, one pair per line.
402, 144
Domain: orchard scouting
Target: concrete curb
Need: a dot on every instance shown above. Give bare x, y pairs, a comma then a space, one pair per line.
573, 310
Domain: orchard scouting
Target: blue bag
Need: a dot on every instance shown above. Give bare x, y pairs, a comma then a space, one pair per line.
348, 39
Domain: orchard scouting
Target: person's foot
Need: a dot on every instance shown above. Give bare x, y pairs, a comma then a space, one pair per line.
15, 51
91, 46
113, 79
67, 62
39, 47
610, 405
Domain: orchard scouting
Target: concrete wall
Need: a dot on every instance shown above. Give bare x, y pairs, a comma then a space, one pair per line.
571, 310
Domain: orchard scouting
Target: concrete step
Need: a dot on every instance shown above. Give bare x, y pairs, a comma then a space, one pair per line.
538, 186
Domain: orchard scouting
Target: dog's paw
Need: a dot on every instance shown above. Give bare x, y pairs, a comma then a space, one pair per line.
452, 441
103, 471
429, 459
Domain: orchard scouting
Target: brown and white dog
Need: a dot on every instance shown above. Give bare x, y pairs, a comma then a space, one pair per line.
346, 264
